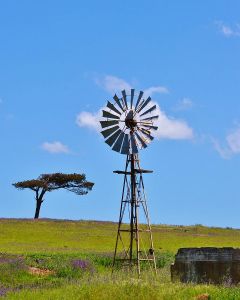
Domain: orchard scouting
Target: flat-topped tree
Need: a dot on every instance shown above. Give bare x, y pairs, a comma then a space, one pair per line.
75, 183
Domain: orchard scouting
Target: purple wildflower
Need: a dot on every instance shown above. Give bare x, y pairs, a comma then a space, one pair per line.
3, 291
80, 264
13, 261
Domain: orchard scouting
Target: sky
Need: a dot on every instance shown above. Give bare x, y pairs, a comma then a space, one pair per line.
61, 61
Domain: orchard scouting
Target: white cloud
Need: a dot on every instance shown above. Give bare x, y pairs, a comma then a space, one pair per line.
113, 84
232, 144
89, 120
233, 140
224, 152
156, 89
55, 147
184, 104
170, 128
229, 31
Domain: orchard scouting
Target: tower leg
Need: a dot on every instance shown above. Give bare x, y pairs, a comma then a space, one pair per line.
122, 210
133, 206
146, 212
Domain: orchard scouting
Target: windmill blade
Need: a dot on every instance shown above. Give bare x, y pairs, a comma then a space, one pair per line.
112, 139
149, 110
138, 100
144, 145
132, 96
112, 107
118, 144
125, 98
107, 114
125, 145
151, 127
150, 118
144, 104
105, 124
146, 139
146, 133
133, 144
109, 131
115, 97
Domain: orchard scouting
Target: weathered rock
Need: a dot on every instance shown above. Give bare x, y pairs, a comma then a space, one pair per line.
207, 265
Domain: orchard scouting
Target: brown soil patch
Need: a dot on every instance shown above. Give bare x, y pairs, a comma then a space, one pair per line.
41, 272
203, 297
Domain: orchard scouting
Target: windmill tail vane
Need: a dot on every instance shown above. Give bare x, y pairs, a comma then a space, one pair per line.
128, 123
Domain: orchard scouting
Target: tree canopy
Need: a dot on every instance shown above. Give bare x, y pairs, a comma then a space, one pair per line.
75, 183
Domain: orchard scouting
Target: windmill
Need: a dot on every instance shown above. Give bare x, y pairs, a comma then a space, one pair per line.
128, 123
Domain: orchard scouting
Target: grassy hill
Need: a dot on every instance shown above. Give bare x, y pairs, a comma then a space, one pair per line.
26, 236
56, 259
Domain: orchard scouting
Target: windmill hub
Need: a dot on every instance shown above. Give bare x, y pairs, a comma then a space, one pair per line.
130, 122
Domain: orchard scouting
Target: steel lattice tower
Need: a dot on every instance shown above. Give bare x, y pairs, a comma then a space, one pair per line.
127, 128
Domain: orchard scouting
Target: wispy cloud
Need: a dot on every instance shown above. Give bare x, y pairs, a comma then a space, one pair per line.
156, 90
184, 104
233, 140
55, 147
223, 151
231, 145
113, 84
227, 30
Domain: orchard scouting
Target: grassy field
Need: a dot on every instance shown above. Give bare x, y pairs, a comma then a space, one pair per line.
53, 259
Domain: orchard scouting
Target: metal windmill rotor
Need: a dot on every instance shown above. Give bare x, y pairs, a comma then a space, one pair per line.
128, 126
128, 123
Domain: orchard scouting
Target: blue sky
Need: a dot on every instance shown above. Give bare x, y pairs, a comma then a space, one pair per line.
60, 61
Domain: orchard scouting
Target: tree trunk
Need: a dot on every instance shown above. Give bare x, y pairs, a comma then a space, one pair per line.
39, 201
38, 206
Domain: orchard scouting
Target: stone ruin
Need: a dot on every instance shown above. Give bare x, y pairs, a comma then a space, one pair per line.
207, 265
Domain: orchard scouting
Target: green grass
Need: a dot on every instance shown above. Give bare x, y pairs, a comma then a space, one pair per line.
122, 291
56, 236
55, 245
